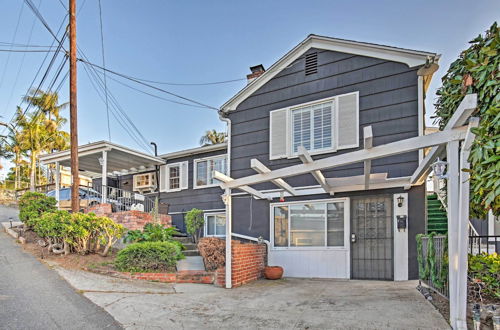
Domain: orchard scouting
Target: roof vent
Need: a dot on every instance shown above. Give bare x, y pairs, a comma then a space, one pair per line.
311, 63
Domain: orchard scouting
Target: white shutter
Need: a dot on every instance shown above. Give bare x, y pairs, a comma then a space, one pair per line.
348, 121
163, 178
184, 175
134, 186
278, 134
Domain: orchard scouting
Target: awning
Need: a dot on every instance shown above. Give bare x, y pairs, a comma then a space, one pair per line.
120, 159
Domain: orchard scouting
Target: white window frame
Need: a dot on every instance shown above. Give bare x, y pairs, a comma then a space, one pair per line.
347, 230
335, 131
205, 225
167, 184
195, 170
152, 179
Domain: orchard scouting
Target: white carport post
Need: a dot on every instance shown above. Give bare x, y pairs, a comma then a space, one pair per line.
228, 202
104, 183
58, 182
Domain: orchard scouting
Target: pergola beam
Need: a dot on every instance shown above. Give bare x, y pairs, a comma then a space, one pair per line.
368, 144
386, 150
254, 192
459, 118
257, 166
306, 158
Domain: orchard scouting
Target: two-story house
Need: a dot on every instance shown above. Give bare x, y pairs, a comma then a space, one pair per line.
320, 96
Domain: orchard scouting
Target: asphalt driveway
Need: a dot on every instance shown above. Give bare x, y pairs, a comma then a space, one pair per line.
283, 304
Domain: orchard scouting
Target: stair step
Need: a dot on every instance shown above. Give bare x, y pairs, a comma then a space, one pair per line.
191, 263
191, 253
190, 246
183, 240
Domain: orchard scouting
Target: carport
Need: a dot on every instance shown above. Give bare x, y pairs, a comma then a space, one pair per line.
103, 159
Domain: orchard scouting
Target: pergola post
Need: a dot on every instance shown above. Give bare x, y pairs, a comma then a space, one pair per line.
58, 182
453, 196
104, 164
228, 202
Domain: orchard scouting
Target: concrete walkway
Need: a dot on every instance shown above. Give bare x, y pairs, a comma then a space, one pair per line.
32, 296
284, 304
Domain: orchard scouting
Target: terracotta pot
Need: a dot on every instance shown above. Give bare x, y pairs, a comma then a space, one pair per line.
273, 272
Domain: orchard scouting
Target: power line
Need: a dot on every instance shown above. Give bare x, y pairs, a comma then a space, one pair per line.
13, 40
28, 50
190, 84
3, 43
44, 22
148, 85
104, 65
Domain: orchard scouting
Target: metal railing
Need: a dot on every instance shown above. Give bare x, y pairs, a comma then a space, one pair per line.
439, 257
122, 200
484, 244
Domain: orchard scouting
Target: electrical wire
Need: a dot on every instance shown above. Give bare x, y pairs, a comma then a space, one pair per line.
28, 50
13, 40
104, 71
41, 19
190, 84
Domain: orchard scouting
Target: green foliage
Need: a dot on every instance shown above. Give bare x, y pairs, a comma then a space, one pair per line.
428, 267
151, 233
194, 222
485, 269
149, 257
33, 204
477, 71
82, 233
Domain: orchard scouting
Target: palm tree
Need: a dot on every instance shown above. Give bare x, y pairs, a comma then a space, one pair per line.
213, 137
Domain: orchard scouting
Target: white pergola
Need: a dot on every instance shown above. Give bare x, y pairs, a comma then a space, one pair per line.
102, 159
446, 142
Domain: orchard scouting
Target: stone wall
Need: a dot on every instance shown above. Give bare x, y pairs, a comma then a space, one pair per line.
129, 219
248, 262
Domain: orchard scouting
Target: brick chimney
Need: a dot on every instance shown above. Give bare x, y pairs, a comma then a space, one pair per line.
257, 71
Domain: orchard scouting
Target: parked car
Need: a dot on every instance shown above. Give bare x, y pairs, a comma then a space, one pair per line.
88, 197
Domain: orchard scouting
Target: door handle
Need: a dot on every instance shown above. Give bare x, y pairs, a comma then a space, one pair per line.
353, 238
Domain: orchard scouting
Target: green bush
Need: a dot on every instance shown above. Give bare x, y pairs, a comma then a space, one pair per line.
32, 205
149, 257
485, 269
151, 233
52, 225
194, 222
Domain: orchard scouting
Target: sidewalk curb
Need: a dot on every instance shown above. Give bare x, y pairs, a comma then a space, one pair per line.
9, 231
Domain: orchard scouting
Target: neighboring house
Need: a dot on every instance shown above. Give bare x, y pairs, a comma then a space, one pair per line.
321, 95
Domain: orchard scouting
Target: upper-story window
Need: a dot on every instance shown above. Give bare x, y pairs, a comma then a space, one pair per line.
321, 126
174, 177
204, 168
144, 182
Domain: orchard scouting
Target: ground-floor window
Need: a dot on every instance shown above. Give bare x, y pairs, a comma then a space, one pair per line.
310, 224
215, 224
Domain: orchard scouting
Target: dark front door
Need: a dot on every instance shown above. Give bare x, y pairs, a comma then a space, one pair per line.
371, 238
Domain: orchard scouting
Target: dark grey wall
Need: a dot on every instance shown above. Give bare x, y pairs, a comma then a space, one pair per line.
388, 102
182, 201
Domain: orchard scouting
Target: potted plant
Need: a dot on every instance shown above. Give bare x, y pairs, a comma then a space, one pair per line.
273, 272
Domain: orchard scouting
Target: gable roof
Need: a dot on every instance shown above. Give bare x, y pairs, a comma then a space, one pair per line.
409, 57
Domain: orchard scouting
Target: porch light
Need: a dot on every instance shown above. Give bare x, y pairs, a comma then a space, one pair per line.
439, 168
101, 161
400, 199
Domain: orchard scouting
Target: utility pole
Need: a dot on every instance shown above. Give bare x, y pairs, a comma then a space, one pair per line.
73, 123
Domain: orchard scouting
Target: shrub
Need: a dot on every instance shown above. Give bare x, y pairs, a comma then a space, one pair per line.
213, 251
194, 222
484, 270
151, 233
32, 205
149, 257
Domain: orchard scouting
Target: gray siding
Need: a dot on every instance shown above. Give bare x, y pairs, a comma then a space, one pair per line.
182, 201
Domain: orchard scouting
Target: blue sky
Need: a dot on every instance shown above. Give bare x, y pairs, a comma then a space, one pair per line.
206, 41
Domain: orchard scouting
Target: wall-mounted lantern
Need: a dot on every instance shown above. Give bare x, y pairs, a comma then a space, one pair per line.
101, 161
400, 200
439, 169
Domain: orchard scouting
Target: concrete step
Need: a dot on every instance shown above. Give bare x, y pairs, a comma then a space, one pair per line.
191, 263
191, 253
190, 246
183, 240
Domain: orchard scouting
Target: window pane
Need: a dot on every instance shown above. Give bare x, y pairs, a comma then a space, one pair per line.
281, 226
307, 224
220, 225
210, 225
301, 128
323, 126
174, 177
201, 173
335, 216
219, 165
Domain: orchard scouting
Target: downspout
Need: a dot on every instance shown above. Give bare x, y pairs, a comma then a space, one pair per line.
227, 202
157, 170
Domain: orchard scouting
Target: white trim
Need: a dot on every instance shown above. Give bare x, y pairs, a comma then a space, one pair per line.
167, 183
195, 171
400, 238
410, 57
355, 145
194, 151
211, 210
325, 201
205, 224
